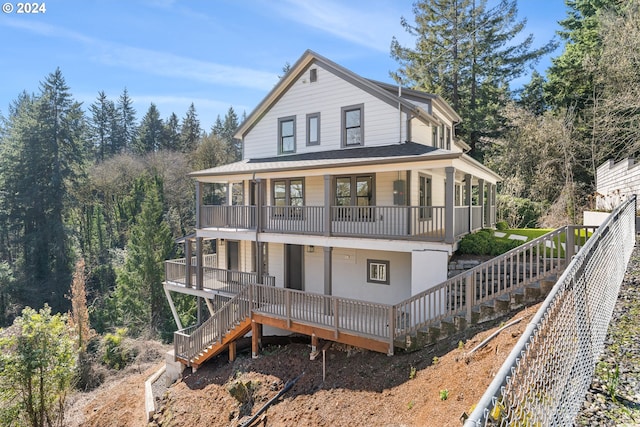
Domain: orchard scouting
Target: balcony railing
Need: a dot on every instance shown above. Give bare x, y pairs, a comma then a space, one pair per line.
404, 222
213, 279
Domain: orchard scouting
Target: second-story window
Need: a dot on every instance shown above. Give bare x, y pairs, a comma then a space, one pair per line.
313, 129
287, 195
435, 136
426, 199
287, 135
237, 193
353, 125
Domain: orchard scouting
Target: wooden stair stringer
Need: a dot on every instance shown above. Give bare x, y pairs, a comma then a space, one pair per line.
240, 330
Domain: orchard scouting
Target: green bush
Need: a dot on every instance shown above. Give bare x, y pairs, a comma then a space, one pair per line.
116, 353
502, 225
483, 242
518, 212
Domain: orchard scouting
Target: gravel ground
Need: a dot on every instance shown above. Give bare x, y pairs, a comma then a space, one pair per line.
614, 396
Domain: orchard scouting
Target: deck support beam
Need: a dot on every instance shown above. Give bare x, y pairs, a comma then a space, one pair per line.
232, 351
256, 338
176, 318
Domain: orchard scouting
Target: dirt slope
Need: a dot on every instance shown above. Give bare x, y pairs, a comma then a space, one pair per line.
361, 388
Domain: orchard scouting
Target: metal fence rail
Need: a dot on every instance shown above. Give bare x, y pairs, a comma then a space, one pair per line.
544, 380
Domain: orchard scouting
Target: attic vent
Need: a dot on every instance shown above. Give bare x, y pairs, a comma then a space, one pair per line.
313, 75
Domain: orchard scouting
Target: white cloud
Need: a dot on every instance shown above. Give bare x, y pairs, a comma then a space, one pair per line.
369, 24
156, 62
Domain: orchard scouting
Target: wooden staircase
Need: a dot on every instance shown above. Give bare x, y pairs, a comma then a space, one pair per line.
240, 330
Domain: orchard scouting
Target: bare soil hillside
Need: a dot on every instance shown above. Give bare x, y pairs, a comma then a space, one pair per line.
430, 387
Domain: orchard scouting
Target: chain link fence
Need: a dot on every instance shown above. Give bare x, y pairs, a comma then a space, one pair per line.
544, 380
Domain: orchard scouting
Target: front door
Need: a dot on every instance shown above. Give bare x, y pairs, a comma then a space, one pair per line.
232, 255
293, 261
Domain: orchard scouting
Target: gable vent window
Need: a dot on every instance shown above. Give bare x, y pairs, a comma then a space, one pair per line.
313, 75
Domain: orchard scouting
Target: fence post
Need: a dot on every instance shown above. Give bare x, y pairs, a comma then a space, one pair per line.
469, 295
392, 329
570, 244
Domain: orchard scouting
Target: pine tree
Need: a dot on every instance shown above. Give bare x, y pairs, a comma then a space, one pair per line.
466, 53
138, 295
190, 131
41, 171
171, 134
150, 133
101, 126
127, 131
532, 95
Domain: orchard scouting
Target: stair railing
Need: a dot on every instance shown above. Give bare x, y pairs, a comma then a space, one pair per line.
502, 275
191, 341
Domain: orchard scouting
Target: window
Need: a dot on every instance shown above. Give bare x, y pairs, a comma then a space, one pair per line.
442, 136
352, 125
237, 193
313, 129
378, 271
287, 135
435, 136
425, 197
313, 75
354, 196
288, 197
448, 138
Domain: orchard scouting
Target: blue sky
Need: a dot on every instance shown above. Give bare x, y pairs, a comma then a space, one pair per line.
216, 53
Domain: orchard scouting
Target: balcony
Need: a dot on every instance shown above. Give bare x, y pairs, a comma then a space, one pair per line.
427, 223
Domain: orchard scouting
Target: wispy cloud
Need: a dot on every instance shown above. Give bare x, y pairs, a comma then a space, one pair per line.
366, 24
156, 62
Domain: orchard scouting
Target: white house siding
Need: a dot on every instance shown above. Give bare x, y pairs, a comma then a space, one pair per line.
421, 132
327, 96
615, 182
349, 279
275, 253
314, 191
314, 270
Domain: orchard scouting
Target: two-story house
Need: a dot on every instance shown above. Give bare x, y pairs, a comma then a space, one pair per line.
349, 190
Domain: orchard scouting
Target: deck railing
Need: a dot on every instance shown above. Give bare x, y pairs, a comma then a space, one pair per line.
238, 217
294, 219
214, 279
404, 222
507, 273
458, 296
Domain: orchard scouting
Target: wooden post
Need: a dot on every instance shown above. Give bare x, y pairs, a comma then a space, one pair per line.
187, 262
314, 343
232, 351
469, 297
256, 338
327, 205
468, 199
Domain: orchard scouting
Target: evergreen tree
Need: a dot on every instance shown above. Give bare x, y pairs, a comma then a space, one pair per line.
225, 131
102, 126
465, 52
42, 166
150, 133
190, 131
571, 75
138, 296
127, 131
532, 95
171, 134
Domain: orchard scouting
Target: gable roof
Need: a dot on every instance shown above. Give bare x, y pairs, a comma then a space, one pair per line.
382, 91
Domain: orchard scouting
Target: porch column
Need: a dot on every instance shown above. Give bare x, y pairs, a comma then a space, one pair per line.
468, 199
259, 262
187, 261
327, 205
449, 205
198, 203
260, 198
199, 269
493, 200
481, 202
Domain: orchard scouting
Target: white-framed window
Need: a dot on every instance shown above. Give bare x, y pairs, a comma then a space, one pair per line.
287, 135
313, 129
353, 125
237, 193
378, 271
